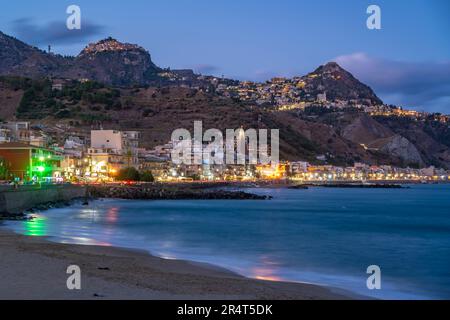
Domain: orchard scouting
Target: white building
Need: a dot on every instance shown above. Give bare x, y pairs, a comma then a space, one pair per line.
5, 135
20, 131
119, 141
112, 150
106, 139
322, 97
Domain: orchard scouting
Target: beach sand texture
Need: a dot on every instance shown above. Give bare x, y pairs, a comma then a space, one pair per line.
34, 268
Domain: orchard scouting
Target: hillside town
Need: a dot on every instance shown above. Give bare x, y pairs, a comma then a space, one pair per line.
28, 155
292, 94
288, 94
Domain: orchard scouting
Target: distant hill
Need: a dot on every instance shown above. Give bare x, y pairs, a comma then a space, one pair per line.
122, 64
112, 62
344, 137
107, 61
338, 84
19, 59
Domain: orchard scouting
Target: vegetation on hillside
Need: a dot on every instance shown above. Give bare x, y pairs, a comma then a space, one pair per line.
88, 101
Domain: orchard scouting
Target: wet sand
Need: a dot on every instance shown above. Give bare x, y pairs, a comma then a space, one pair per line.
34, 268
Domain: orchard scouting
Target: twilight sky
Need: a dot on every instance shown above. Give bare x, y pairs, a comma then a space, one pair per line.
406, 63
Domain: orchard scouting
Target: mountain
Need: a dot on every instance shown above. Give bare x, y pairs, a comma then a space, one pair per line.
122, 64
131, 92
107, 61
338, 84
112, 62
18, 58
372, 135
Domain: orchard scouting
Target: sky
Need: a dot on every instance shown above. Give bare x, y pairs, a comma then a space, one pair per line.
407, 62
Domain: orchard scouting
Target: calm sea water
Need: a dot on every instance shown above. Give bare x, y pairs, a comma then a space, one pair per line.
322, 236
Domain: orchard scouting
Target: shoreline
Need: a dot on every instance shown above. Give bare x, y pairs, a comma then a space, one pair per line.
35, 268
173, 191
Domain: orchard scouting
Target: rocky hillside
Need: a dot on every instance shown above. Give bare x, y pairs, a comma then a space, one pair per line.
127, 90
372, 135
343, 137
107, 61
406, 142
338, 84
18, 58
431, 138
122, 64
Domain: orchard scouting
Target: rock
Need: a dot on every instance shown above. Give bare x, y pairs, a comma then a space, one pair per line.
402, 148
175, 193
300, 186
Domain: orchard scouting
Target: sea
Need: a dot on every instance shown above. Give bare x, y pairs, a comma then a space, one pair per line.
324, 236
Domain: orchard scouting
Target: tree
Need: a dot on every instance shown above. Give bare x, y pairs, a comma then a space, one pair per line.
129, 173
147, 176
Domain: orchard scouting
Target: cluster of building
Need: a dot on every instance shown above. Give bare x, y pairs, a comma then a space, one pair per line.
108, 44
287, 94
29, 155
362, 172
283, 93
412, 114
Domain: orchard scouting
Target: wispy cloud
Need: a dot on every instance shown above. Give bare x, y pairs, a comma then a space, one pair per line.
422, 85
206, 69
55, 32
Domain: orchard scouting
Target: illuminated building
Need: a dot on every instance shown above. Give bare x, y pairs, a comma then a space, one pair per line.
271, 171
28, 162
111, 151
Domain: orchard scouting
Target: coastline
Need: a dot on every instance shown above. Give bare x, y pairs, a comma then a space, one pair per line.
15, 202
35, 268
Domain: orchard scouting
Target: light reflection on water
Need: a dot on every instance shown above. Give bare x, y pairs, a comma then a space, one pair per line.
36, 227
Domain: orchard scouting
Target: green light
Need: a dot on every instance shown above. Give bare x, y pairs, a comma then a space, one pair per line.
41, 169
41, 158
36, 227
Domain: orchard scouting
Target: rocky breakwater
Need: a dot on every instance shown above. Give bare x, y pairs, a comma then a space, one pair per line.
160, 192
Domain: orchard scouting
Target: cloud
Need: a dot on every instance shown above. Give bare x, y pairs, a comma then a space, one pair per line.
421, 85
54, 33
206, 69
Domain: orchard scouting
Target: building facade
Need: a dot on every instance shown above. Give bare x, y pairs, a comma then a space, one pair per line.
26, 162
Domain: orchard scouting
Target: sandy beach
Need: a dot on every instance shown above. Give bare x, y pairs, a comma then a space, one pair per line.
34, 268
